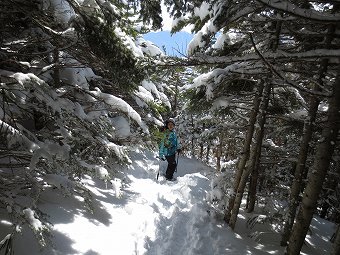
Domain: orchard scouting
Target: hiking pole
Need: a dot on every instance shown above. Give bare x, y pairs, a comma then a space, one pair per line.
159, 166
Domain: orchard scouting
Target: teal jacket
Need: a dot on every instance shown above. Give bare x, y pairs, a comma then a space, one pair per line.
169, 144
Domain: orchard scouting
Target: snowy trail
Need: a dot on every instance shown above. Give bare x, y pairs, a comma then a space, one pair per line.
175, 207
182, 221
177, 216
148, 217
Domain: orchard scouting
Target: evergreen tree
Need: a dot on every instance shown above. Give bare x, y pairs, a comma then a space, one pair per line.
324, 152
70, 72
289, 45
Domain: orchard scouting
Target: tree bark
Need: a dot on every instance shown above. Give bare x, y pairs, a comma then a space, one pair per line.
176, 97
56, 70
207, 154
317, 174
329, 189
219, 152
252, 158
251, 199
201, 151
192, 138
336, 244
218, 159
202, 146
300, 169
246, 149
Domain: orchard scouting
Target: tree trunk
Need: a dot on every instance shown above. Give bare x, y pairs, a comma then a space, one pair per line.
218, 153
192, 138
251, 199
218, 160
56, 69
336, 244
201, 151
246, 149
175, 107
252, 158
249, 135
207, 154
329, 189
316, 176
202, 146
300, 169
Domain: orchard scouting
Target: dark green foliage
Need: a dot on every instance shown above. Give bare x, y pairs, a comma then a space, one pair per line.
237, 85
122, 67
197, 100
45, 131
151, 13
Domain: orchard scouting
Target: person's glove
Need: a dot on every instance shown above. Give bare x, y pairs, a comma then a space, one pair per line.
179, 150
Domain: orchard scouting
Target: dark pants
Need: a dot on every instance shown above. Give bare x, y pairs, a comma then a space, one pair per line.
171, 166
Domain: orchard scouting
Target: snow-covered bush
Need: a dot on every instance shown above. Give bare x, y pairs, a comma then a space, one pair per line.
221, 189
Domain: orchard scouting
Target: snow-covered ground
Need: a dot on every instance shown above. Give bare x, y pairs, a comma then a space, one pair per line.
146, 216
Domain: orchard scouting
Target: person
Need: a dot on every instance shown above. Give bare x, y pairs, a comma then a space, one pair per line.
168, 147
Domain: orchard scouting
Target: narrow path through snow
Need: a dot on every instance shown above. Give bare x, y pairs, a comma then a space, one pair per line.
143, 216
182, 223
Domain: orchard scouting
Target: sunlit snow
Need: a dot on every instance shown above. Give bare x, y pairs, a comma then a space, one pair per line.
138, 214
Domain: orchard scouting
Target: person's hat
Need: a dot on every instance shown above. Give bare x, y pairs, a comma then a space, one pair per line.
172, 121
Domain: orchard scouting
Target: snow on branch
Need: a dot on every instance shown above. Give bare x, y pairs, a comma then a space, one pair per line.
100, 171
118, 150
61, 182
215, 77
33, 221
16, 135
297, 11
279, 55
121, 105
148, 90
39, 89
47, 150
283, 76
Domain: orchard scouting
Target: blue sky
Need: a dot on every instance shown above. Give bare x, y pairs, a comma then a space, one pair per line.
176, 44
173, 44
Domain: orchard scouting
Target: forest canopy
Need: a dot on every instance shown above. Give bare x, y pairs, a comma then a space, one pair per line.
259, 86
